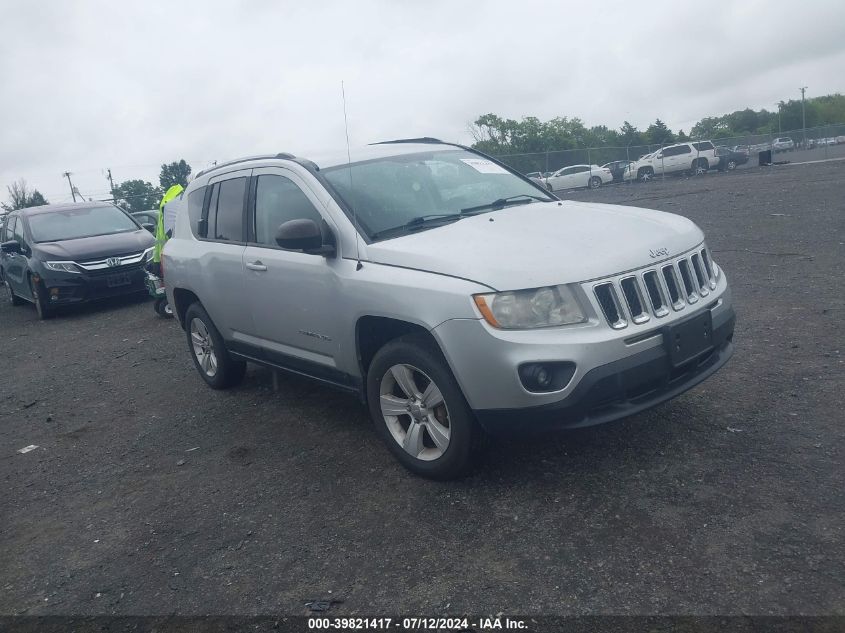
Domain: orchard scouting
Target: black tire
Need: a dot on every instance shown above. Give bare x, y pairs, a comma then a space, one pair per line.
163, 309
699, 167
645, 174
14, 299
419, 353
595, 182
227, 372
43, 309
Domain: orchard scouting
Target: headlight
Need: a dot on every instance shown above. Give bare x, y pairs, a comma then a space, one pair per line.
62, 267
526, 309
148, 254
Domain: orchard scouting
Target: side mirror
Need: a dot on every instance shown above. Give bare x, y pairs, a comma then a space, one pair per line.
303, 235
12, 246
150, 227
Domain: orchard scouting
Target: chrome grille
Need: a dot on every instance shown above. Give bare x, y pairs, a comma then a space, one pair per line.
654, 292
114, 264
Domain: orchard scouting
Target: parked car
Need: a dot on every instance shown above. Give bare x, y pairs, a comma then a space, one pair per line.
449, 305
783, 144
617, 169
147, 219
577, 176
729, 159
695, 157
840, 140
62, 254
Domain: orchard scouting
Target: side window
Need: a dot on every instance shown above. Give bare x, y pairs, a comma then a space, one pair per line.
195, 200
277, 200
17, 234
225, 222
9, 230
684, 149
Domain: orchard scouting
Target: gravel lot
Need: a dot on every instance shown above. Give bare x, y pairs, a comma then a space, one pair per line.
151, 494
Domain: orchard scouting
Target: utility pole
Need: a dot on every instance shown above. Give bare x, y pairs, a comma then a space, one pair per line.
778, 105
111, 184
803, 118
72, 190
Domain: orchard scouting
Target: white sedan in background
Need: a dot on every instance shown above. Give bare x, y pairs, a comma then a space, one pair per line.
576, 176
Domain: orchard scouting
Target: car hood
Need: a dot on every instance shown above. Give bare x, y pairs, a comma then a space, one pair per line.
96, 247
542, 244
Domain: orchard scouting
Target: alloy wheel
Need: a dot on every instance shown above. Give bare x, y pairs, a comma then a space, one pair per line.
415, 412
203, 347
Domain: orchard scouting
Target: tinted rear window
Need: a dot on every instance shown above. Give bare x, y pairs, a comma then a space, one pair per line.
227, 223
195, 200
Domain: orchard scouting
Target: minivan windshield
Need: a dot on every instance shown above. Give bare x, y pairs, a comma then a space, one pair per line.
397, 194
77, 222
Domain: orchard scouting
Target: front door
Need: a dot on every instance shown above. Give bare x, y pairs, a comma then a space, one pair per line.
16, 265
294, 296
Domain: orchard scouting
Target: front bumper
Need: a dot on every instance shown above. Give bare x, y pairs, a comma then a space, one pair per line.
74, 288
616, 390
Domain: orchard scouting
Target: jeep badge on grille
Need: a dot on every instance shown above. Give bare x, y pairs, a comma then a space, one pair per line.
658, 252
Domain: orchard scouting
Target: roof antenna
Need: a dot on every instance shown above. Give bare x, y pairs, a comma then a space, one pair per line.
359, 265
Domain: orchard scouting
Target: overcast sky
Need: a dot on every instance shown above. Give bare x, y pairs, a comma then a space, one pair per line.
129, 85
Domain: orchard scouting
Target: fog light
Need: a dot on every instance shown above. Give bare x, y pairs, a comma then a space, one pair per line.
543, 377
54, 294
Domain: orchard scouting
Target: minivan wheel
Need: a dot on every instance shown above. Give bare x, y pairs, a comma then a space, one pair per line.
595, 182
419, 409
41, 307
212, 360
14, 299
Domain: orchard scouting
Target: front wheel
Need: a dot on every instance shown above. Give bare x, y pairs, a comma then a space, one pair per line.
419, 409
645, 174
595, 182
211, 358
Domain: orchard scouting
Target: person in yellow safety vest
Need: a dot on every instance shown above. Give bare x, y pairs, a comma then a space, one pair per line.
161, 235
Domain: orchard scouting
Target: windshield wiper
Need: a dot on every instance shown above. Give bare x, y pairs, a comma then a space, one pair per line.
419, 222
501, 203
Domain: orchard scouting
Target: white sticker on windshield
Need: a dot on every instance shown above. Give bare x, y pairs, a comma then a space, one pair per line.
484, 166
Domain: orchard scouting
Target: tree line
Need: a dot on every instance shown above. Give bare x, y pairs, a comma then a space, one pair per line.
493, 134
132, 195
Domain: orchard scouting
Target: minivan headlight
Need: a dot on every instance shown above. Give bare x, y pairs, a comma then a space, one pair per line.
62, 267
534, 308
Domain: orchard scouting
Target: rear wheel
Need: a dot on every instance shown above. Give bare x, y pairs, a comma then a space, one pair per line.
699, 167
41, 306
595, 182
731, 165
163, 309
14, 299
212, 360
419, 409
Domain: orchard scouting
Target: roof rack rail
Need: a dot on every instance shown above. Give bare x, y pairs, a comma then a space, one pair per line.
208, 170
422, 139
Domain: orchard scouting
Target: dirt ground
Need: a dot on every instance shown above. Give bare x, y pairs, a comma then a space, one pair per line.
151, 494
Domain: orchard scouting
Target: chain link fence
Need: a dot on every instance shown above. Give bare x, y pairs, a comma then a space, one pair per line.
555, 166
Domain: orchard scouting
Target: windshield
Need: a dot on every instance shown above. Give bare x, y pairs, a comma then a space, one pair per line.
390, 192
74, 223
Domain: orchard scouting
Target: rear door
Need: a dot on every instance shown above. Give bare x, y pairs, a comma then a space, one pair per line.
221, 275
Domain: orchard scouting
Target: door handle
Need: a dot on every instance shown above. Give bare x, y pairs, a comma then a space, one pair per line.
256, 265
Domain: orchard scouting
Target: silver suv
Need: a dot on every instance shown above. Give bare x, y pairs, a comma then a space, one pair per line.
453, 295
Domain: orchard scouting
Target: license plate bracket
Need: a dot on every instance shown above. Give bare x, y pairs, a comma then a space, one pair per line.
115, 281
689, 339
